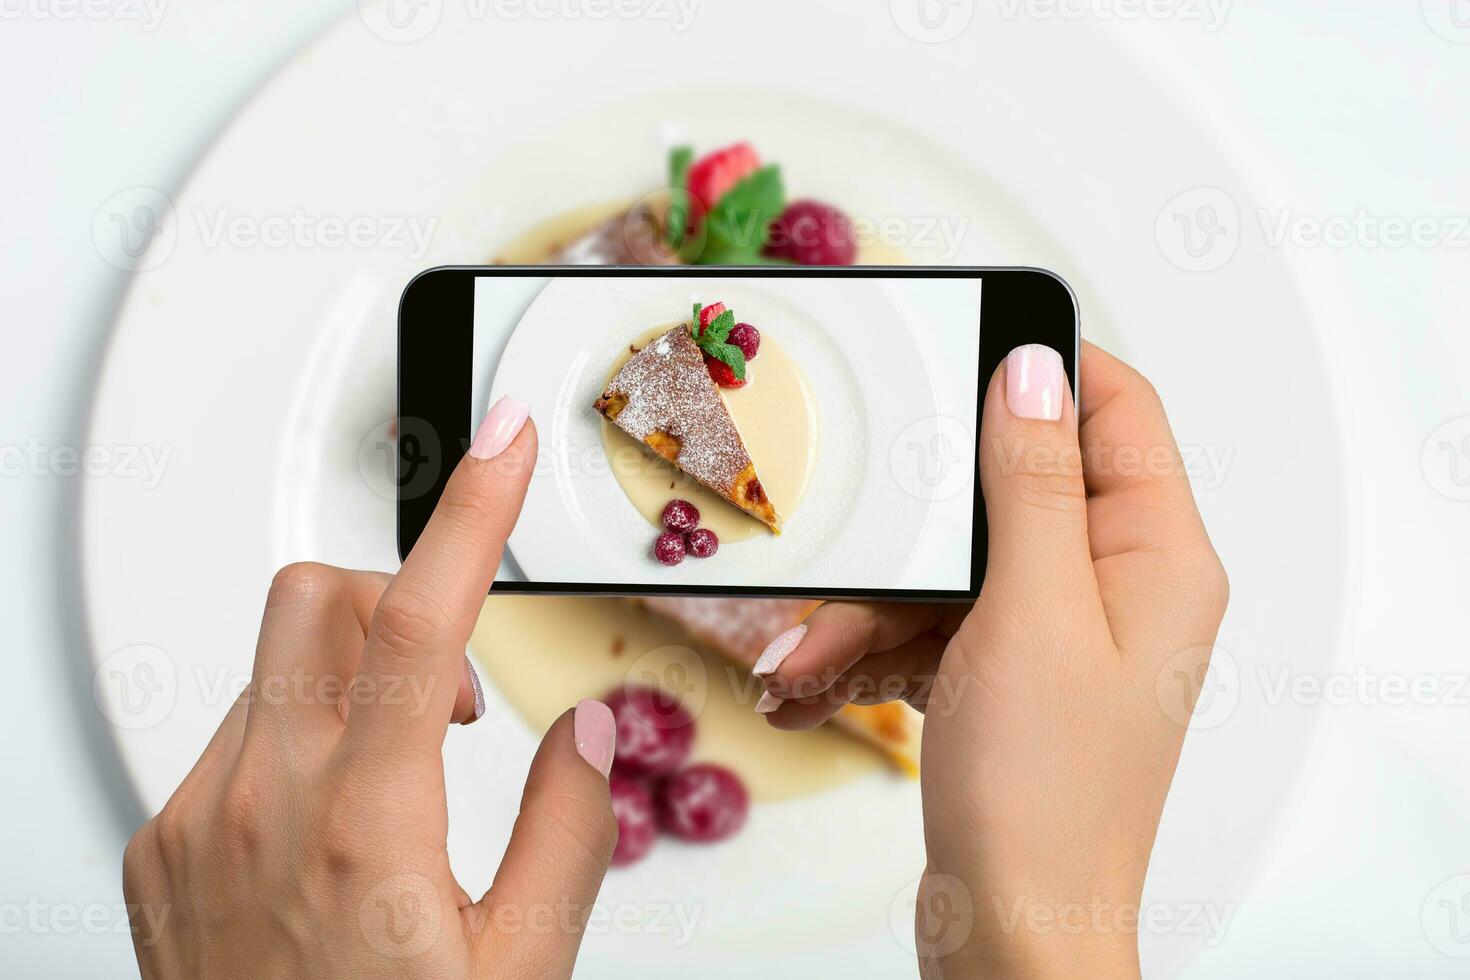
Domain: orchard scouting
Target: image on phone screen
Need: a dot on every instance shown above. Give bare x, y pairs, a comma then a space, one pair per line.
731, 432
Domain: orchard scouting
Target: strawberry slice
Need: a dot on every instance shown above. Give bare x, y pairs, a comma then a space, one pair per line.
721, 373
707, 315
715, 173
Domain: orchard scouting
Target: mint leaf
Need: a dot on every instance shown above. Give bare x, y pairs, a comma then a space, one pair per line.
731, 355
694, 323
720, 327
677, 220
735, 228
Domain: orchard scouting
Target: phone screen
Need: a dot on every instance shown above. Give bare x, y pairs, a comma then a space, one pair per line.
739, 433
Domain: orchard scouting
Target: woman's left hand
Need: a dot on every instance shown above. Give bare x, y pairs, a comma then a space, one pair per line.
309, 839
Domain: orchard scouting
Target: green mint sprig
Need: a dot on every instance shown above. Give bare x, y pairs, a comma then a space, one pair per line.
712, 340
735, 228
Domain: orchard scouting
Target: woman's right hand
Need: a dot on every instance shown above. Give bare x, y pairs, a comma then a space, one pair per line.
1055, 712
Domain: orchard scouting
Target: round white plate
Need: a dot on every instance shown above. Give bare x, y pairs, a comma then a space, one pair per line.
264, 366
579, 526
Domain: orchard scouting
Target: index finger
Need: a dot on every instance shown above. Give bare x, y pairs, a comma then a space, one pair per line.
414, 655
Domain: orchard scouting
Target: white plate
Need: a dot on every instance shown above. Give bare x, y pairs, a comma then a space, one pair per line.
267, 372
578, 524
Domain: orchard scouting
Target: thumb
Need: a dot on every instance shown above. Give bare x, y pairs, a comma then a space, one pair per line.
1031, 475
530, 922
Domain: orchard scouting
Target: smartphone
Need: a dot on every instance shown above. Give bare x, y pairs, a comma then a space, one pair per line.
752, 431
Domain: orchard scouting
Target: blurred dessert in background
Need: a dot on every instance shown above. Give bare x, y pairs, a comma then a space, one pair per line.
741, 628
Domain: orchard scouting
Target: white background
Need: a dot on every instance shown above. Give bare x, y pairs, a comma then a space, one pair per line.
1330, 105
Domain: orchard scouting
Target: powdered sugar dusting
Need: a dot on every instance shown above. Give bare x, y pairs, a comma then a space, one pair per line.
737, 628
669, 390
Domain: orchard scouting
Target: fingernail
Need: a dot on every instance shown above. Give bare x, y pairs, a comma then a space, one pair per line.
595, 732
768, 703
779, 649
474, 678
1035, 382
499, 428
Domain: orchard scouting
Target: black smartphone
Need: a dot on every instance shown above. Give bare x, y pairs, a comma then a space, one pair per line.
752, 431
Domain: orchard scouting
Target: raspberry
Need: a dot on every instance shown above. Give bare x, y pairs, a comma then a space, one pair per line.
669, 548
715, 173
703, 804
632, 805
707, 315
681, 515
702, 542
722, 373
654, 732
812, 233
747, 338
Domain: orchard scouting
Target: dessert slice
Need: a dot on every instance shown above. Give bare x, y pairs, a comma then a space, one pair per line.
664, 397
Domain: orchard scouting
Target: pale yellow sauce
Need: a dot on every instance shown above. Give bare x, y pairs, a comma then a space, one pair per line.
776, 414
546, 653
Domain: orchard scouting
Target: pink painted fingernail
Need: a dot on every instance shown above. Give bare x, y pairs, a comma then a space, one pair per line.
779, 649
1035, 382
499, 428
474, 678
768, 703
596, 734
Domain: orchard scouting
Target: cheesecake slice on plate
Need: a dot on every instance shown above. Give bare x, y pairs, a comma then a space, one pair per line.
664, 397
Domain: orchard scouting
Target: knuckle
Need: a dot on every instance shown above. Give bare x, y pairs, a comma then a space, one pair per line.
405, 622
300, 583
1048, 488
140, 858
170, 835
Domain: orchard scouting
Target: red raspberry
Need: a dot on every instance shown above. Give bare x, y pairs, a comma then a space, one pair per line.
632, 805
715, 173
703, 804
669, 548
812, 233
707, 315
681, 515
723, 374
654, 731
747, 338
702, 542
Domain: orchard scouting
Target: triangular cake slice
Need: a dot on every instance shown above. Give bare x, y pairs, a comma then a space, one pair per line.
665, 398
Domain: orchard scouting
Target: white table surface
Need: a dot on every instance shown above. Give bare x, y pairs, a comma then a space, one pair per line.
1331, 107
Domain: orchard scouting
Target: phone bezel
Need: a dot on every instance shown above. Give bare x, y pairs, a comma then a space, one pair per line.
435, 354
